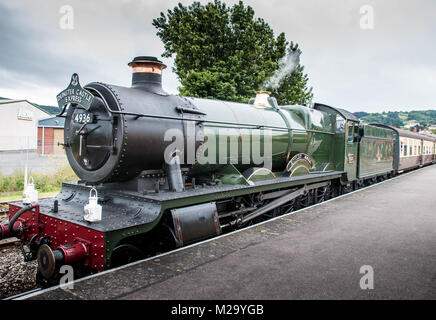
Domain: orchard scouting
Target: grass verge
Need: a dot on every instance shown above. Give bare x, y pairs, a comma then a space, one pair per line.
11, 186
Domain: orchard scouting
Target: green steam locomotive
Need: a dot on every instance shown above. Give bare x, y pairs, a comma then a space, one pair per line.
160, 171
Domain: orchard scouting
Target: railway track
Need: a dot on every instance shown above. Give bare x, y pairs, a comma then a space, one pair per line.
17, 296
8, 242
4, 207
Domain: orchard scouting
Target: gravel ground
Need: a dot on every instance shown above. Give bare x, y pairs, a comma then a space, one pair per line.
16, 276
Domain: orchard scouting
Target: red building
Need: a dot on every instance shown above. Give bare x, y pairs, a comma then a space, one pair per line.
51, 135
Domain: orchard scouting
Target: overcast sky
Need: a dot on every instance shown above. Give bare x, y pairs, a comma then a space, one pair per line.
351, 63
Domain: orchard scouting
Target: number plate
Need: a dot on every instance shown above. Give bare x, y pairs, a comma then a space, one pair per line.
82, 118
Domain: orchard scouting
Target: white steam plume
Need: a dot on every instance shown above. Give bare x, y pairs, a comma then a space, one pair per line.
287, 65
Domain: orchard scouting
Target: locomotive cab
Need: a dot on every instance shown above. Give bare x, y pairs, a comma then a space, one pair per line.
346, 141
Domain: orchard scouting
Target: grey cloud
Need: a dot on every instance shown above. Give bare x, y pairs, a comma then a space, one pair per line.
28, 49
390, 67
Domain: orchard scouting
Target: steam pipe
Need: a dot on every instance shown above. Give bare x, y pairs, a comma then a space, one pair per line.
174, 174
17, 215
248, 125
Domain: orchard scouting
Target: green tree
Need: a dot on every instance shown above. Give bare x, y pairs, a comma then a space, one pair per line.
226, 53
399, 119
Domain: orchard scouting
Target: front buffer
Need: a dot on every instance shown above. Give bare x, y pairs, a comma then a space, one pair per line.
55, 233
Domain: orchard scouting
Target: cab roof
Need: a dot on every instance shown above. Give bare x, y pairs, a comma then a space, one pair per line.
343, 113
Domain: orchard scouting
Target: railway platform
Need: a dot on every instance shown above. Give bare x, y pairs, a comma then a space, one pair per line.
376, 243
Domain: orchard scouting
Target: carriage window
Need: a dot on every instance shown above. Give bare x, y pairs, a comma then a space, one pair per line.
419, 150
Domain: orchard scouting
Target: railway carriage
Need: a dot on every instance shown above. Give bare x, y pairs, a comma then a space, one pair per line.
428, 152
376, 152
160, 171
411, 150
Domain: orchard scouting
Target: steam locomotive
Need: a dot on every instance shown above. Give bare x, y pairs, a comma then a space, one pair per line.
160, 171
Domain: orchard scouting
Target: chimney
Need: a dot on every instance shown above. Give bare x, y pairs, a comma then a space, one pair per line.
147, 74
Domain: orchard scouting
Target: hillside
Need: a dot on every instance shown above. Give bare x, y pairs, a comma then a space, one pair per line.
399, 118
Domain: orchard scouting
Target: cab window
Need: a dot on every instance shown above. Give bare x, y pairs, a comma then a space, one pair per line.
350, 132
340, 124
356, 133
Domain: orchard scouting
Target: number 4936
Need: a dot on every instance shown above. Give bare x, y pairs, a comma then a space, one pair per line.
82, 117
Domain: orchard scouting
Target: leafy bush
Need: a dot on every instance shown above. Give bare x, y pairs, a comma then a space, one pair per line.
43, 182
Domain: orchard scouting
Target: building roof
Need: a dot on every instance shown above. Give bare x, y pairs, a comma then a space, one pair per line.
47, 109
52, 122
50, 109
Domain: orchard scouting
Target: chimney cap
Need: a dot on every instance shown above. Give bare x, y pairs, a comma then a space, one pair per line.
148, 60
262, 99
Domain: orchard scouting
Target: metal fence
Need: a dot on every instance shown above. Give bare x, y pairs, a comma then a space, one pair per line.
15, 160
17, 143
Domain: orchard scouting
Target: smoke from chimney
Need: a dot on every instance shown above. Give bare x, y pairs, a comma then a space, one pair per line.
287, 65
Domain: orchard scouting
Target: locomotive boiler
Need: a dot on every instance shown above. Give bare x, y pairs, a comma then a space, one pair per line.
159, 171
129, 130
